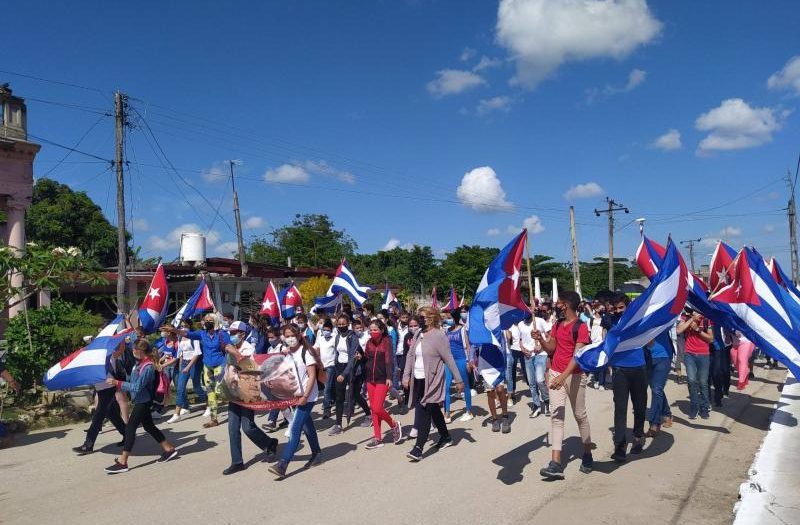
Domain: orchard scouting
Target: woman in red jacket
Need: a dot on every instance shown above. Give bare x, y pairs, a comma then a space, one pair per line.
378, 373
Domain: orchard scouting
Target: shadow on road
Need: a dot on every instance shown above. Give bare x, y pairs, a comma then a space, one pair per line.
513, 462
29, 439
658, 445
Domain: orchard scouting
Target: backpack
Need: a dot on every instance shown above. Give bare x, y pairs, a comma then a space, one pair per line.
576, 326
322, 374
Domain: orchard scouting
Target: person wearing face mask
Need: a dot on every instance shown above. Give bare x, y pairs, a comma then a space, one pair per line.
378, 371
301, 321
241, 419
459, 343
258, 334
227, 319
167, 348
212, 344
327, 354
349, 372
189, 365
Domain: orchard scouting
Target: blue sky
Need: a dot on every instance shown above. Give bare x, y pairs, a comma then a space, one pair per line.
429, 122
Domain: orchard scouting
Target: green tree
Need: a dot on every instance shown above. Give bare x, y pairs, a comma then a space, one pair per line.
594, 275
464, 267
546, 269
415, 270
311, 240
40, 338
59, 216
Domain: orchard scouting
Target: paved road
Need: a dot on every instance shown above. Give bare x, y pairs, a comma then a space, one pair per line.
688, 474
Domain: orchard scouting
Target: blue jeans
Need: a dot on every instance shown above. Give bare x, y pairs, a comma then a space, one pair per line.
302, 422
448, 380
511, 369
329, 396
197, 381
241, 417
180, 387
697, 376
659, 409
535, 367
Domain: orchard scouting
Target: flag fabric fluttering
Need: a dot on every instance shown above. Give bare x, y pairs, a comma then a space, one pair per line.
721, 267
434, 299
389, 299
765, 311
270, 306
87, 365
783, 279
497, 305
344, 282
154, 306
452, 301
646, 317
290, 299
327, 304
649, 257
199, 302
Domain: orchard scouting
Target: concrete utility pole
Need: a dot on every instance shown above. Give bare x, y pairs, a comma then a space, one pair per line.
120, 101
576, 268
690, 244
791, 212
612, 207
239, 239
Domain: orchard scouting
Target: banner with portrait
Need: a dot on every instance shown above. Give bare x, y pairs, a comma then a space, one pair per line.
263, 382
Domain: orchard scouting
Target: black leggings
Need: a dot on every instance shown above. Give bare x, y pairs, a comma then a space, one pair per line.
107, 407
424, 414
140, 415
341, 391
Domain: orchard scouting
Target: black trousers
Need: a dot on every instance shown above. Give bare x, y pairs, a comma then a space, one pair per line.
424, 414
341, 392
140, 415
719, 374
107, 407
629, 382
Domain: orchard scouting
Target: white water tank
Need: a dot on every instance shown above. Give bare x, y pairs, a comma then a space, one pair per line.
193, 248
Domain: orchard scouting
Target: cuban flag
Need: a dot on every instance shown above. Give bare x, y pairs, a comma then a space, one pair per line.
389, 299
452, 301
765, 311
497, 305
270, 305
154, 307
783, 280
721, 267
648, 315
327, 304
87, 366
199, 302
344, 282
290, 299
649, 257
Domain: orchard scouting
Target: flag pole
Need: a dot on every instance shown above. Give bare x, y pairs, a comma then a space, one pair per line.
528, 263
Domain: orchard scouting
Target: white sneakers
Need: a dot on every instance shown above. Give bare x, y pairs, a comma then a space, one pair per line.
413, 433
175, 418
466, 417
207, 413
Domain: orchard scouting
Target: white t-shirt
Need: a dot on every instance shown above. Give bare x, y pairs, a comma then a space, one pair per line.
401, 336
419, 367
362, 339
523, 331
247, 349
515, 336
326, 351
187, 349
302, 371
596, 330
341, 350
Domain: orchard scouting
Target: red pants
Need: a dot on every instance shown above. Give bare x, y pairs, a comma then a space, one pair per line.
376, 393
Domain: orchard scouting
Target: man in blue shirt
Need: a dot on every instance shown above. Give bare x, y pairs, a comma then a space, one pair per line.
212, 343
629, 379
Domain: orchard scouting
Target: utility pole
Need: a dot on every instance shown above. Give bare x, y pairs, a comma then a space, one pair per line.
793, 225
122, 245
576, 268
612, 207
240, 241
690, 245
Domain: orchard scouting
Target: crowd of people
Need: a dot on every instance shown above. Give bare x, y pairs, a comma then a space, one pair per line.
419, 361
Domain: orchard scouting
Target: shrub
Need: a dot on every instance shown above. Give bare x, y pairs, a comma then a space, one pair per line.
55, 332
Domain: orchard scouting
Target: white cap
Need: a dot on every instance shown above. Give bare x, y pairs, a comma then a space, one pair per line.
238, 326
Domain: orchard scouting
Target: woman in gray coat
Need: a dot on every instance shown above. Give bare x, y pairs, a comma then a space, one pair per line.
428, 354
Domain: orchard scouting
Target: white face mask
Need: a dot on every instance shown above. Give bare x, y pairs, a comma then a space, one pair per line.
291, 341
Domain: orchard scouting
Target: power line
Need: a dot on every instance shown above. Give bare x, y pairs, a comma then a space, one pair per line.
51, 81
78, 143
73, 150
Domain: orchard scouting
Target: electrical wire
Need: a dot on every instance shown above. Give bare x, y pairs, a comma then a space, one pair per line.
73, 150
78, 143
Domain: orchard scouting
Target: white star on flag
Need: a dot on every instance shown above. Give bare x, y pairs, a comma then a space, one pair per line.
515, 277
153, 293
290, 295
266, 305
722, 275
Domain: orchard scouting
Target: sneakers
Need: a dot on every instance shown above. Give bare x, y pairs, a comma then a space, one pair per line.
270, 426
619, 453
547, 408
448, 419
210, 424
666, 422
367, 422
326, 413
207, 412
466, 417
271, 450
495, 425
335, 430
397, 432
117, 468
233, 469
536, 412
287, 433
473, 392
553, 471
373, 443
692, 415
415, 454
279, 469
413, 433
704, 415
505, 426
444, 443
511, 399
314, 461
638, 446
82, 450
166, 456
174, 419
587, 463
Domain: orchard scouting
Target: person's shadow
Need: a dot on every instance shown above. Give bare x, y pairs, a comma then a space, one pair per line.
513, 462
658, 445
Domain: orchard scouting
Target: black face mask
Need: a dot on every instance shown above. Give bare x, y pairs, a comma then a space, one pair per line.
208, 325
422, 325
343, 331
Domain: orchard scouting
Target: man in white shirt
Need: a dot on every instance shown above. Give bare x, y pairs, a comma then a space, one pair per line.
535, 362
327, 353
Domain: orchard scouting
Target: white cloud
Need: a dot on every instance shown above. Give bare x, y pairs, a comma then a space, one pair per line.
453, 81
543, 34
671, 140
226, 249
287, 173
532, 223
489, 105
768, 228
254, 222
391, 244
583, 191
730, 231
736, 125
487, 63
467, 54
320, 167
172, 241
140, 225
480, 189
788, 77
493, 232
216, 173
